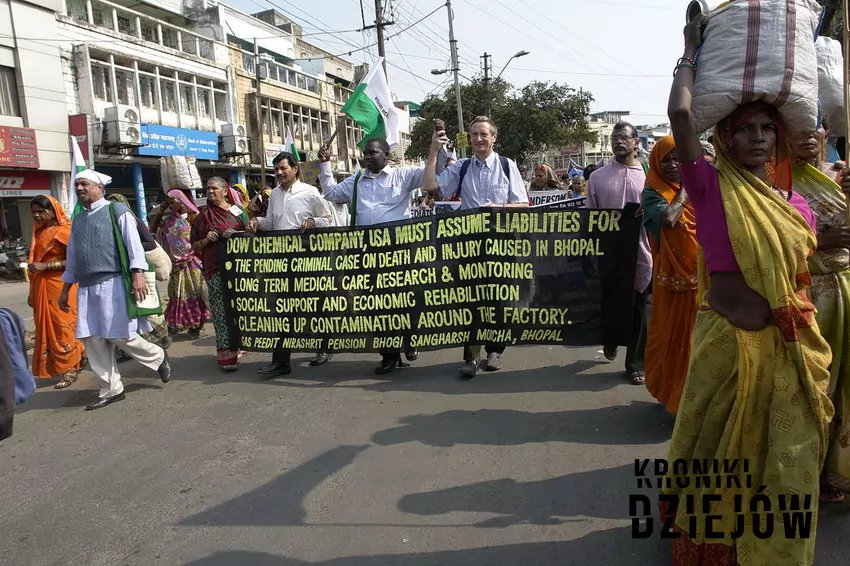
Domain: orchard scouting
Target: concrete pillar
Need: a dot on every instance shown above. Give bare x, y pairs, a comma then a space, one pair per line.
139, 185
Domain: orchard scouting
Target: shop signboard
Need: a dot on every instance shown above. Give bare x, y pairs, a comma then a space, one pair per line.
24, 184
162, 141
79, 126
18, 147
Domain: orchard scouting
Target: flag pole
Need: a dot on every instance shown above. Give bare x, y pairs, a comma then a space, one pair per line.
339, 122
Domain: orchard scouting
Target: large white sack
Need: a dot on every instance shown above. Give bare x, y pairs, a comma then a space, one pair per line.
759, 50
166, 174
830, 83
193, 173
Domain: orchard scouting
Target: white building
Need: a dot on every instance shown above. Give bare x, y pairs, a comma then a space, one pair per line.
149, 87
33, 111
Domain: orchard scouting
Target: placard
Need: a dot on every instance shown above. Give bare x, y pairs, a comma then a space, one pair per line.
512, 276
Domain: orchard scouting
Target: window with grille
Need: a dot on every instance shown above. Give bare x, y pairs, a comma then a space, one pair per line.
187, 100
126, 24
204, 104
149, 32
169, 96
221, 106
101, 83
124, 83
148, 91
9, 103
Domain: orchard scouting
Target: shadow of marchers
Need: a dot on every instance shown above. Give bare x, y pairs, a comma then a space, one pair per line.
605, 426
612, 546
279, 502
596, 493
443, 378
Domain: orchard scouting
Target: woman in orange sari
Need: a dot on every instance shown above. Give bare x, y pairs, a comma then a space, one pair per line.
57, 352
670, 222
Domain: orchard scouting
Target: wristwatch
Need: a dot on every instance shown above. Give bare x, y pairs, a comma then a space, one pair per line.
137, 270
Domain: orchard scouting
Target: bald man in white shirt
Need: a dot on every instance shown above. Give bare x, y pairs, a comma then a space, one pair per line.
382, 195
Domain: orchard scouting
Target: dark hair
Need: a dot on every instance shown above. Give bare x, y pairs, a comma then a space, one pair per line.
624, 125
290, 159
43, 202
588, 171
382, 143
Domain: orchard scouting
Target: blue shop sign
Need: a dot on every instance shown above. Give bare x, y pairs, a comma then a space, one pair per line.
162, 141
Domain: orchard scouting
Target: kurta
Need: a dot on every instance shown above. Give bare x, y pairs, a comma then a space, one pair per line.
102, 308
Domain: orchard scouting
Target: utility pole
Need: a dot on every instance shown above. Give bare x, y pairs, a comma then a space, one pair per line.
583, 156
379, 26
456, 71
488, 68
258, 110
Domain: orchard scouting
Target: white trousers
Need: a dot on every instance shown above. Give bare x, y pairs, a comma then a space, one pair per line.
104, 363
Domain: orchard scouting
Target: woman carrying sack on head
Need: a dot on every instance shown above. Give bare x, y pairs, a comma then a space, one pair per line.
756, 386
830, 268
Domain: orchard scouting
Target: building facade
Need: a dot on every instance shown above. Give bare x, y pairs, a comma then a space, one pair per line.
33, 117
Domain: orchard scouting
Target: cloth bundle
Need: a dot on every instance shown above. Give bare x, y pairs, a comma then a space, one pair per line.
830, 81
179, 172
759, 51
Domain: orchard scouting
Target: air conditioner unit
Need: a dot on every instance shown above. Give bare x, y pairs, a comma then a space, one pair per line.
122, 124
238, 130
234, 139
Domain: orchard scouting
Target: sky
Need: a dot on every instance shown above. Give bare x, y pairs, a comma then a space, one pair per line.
622, 51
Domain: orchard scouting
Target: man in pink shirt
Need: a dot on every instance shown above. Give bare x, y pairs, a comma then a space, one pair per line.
612, 186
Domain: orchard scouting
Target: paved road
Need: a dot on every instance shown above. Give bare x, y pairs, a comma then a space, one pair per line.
333, 467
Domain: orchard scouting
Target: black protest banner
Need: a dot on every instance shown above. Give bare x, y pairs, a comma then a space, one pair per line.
512, 276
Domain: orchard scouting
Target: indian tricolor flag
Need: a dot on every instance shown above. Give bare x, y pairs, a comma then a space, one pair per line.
77, 164
371, 106
289, 143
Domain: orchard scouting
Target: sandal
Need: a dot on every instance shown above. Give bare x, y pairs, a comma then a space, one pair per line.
830, 494
230, 368
67, 380
638, 378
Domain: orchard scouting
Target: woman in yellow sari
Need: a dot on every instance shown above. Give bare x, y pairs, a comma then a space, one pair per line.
670, 222
756, 387
830, 268
57, 352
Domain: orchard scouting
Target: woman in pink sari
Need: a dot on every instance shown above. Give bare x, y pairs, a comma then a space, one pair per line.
186, 287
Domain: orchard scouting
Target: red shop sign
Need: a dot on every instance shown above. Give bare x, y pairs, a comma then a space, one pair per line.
18, 147
16, 184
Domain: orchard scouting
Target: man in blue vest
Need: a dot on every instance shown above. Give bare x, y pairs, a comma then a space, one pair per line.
94, 262
486, 179
377, 195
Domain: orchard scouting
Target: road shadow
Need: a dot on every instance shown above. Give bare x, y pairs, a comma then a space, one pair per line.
279, 502
636, 423
612, 546
80, 395
595, 493
443, 379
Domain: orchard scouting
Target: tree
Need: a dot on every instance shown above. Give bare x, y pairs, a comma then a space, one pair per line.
541, 115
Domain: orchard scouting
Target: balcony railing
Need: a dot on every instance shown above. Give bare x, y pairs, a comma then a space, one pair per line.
123, 20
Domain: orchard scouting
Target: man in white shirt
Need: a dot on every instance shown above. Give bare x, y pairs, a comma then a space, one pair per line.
376, 195
293, 205
486, 179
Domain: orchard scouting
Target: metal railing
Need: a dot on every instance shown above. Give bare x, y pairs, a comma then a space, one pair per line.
123, 20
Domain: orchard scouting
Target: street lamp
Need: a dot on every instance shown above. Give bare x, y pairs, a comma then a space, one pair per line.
522, 53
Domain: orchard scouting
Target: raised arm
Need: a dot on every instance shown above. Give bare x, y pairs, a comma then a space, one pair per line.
429, 180
331, 190
681, 96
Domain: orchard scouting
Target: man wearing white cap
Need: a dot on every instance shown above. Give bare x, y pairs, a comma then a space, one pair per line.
94, 262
